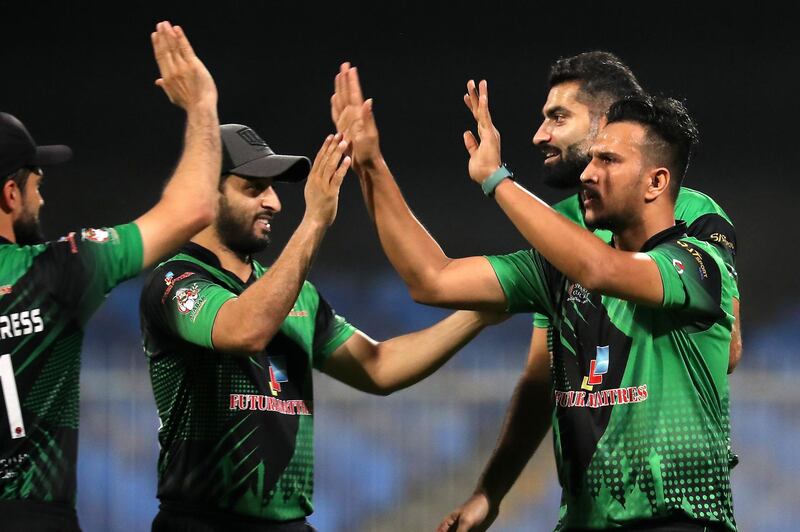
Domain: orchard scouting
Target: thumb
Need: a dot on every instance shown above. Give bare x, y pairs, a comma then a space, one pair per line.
470, 143
367, 116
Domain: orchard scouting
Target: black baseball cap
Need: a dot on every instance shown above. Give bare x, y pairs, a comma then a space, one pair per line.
246, 154
18, 149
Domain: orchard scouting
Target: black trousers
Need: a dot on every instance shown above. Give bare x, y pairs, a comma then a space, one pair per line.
173, 518
35, 516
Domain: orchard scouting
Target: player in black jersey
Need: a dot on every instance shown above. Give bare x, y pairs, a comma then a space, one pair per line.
49, 290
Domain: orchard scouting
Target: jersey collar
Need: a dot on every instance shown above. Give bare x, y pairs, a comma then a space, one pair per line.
207, 256
667, 235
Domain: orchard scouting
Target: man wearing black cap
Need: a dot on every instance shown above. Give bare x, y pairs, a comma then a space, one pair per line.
49, 290
231, 345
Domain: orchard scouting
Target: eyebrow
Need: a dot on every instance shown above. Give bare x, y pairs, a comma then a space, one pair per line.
598, 152
550, 112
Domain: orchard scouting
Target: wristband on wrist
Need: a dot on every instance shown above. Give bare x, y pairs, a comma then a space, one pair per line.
493, 180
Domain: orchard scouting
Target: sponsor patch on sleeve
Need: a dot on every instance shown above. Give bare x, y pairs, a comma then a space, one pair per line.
189, 301
101, 236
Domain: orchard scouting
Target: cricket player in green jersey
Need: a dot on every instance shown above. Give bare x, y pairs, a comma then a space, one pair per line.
642, 328
49, 290
581, 89
231, 345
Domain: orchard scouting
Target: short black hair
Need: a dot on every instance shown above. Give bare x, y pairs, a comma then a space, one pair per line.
672, 134
604, 78
20, 177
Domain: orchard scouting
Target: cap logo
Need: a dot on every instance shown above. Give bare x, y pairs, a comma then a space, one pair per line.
251, 137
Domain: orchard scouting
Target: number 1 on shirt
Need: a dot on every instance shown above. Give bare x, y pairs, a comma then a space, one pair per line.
11, 397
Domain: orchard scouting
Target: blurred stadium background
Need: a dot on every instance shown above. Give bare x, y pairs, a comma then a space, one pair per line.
82, 74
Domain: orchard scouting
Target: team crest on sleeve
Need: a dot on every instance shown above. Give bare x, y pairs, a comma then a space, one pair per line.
188, 300
100, 236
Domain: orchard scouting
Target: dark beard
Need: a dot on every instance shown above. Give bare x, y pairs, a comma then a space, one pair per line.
232, 231
567, 172
27, 231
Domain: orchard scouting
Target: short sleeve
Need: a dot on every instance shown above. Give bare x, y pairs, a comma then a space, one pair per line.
529, 282
85, 266
540, 321
184, 302
691, 278
717, 230
330, 332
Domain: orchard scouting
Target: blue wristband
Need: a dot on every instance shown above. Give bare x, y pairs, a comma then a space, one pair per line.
493, 180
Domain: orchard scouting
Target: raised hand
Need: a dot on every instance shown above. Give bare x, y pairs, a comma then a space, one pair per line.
184, 78
325, 179
475, 515
484, 156
353, 116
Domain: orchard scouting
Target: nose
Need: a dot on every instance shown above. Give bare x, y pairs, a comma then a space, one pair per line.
542, 135
270, 200
589, 174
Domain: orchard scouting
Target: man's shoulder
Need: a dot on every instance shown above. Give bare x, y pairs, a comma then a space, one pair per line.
705, 259
692, 204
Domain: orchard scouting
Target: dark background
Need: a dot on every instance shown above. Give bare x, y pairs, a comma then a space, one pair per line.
83, 75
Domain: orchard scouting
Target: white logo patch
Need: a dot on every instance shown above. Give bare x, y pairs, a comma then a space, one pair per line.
186, 298
95, 235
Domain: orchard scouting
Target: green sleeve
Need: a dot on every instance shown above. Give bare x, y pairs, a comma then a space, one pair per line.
691, 277
540, 321
528, 281
99, 260
707, 221
185, 303
330, 332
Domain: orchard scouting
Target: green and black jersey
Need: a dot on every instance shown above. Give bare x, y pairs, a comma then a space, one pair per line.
47, 294
641, 421
236, 432
704, 218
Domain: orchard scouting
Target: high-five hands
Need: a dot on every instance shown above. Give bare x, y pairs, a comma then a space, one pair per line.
484, 156
325, 180
353, 117
184, 77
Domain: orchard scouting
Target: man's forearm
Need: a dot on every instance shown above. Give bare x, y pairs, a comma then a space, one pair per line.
189, 199
526, 424
258, 313
198, 170
554, 236
410, 248
735, 355
579, 254
406, 360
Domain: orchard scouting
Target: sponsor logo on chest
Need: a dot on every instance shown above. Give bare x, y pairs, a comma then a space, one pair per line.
587, 397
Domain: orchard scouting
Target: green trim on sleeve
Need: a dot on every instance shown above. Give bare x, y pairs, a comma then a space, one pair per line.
342, 331
540, 320
131, 238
